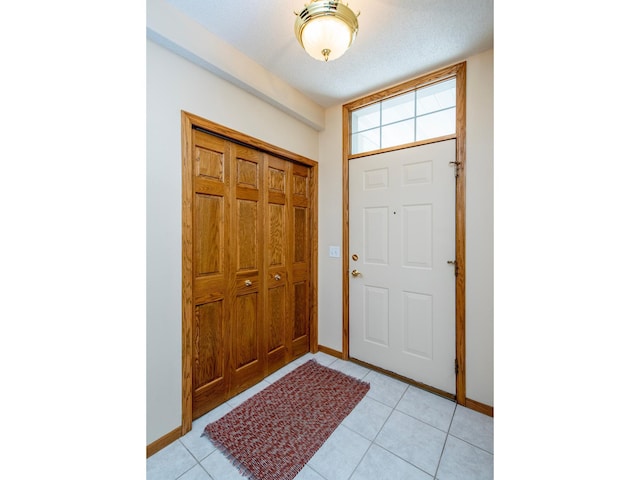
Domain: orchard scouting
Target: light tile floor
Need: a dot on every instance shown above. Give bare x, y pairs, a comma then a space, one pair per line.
396, 432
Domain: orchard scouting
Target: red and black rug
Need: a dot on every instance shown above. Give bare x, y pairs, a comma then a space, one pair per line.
273, 435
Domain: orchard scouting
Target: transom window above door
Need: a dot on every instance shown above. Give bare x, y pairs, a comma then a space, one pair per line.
421, 114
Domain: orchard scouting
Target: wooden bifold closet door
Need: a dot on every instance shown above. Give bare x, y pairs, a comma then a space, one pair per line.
251, 244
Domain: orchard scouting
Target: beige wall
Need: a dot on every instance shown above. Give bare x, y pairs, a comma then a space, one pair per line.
175, 84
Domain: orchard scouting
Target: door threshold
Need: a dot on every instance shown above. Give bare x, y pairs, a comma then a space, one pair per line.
414, 383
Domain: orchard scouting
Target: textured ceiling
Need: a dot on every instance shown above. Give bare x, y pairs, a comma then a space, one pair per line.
397, 40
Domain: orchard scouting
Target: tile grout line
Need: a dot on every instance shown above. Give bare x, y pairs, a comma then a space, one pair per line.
365, 454
372, 441
393, 409
423, 421
470, 444
435, 476
196, 459
198, 464
306, 465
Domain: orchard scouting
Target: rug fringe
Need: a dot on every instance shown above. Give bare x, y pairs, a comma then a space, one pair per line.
351, 377
244, 471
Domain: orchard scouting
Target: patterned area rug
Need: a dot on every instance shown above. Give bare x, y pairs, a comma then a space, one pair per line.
273, 435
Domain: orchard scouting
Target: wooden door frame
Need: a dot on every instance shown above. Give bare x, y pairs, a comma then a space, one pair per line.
188, 122
459, 72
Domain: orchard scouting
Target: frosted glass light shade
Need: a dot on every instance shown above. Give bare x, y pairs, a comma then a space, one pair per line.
326, 29
326, 34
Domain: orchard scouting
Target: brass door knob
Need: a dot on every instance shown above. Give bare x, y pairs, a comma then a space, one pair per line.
355, 273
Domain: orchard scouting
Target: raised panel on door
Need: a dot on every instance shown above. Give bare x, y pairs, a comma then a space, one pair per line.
376, 315
277, 260
209, 382
209, 235
417, 318
276, 312
245, 330
247, 360
210, 315
208, 342
301, 311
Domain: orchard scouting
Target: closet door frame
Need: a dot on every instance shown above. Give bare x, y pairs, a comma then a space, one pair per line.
189, 122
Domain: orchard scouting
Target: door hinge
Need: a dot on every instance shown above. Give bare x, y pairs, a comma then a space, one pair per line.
457, 165
455, 362
455, 264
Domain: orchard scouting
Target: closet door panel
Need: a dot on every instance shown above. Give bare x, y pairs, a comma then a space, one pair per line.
277, 256
210, 314
301, 249
245, 245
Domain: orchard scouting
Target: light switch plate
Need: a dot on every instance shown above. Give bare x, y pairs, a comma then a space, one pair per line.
334, 252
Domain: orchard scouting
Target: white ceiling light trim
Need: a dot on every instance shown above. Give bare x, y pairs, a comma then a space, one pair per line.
326, 29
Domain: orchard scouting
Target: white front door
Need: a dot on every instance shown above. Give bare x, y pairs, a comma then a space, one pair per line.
402, 286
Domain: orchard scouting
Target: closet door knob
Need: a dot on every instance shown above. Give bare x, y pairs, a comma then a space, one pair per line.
248, 283
277, 276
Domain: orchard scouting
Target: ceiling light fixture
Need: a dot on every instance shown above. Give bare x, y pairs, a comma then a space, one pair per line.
326, 28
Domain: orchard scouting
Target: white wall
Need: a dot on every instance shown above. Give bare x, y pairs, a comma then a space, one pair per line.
479, 255
330, 231
169, 27
174, 84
